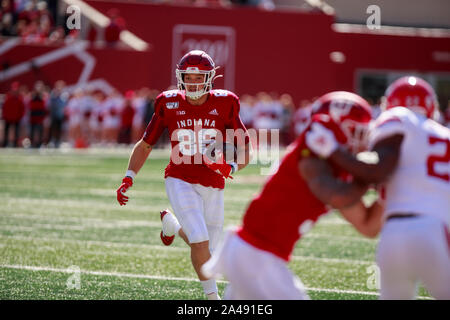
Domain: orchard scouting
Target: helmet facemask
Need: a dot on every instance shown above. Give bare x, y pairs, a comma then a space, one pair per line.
201, 88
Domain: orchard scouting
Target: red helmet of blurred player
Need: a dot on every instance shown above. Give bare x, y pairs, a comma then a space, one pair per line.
350, 112
413, 93
196, 62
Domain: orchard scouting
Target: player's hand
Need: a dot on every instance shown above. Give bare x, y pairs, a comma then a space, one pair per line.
321, 140
127, 182
220, 167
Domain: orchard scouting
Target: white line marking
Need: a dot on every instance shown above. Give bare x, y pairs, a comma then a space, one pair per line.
145, 276
118, 224
172, 248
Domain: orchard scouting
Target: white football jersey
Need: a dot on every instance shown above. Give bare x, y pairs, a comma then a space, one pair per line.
421, 182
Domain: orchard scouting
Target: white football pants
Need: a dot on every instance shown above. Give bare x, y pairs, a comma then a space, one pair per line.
253, 274
199, 210
412, 250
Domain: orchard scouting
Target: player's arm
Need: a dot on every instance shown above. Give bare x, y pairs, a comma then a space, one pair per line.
139, 155
367, 220
387, 145
388, 152
327, 188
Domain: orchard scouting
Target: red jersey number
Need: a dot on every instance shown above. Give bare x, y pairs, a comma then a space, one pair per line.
433, 158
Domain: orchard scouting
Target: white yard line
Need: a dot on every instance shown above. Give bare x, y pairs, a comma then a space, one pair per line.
172, 248
99, 243
153, 277
118, 224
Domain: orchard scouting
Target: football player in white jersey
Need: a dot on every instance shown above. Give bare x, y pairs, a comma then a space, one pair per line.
413, 170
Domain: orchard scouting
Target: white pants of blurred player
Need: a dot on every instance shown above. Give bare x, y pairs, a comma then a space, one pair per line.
253, 274
199, 210
412, 250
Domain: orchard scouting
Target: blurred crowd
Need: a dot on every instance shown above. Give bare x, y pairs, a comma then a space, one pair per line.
47, 117
44, 21
32, 20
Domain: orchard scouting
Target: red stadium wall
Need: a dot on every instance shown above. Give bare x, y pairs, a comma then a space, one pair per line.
385, 53
107, 68
277, 51
260, 50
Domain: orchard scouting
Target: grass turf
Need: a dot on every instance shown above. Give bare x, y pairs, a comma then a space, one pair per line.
58, 210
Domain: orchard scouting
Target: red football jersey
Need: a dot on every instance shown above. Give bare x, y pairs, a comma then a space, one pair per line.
191, 129
286, 207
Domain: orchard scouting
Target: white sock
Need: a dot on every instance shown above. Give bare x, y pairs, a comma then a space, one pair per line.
213, 296
210, 289
170, 224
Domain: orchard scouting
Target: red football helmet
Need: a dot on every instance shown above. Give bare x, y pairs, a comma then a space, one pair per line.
197, 62
350, 112
413, 93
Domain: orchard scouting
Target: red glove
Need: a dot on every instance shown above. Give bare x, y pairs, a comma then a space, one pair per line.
127, 182
220, 167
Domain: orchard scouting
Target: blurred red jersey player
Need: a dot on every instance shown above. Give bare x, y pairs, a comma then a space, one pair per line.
196, 117
254, 257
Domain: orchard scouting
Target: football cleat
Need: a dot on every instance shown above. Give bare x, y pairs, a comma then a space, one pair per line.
166, 240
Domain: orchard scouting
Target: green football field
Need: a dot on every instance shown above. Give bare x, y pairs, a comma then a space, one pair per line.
64, 236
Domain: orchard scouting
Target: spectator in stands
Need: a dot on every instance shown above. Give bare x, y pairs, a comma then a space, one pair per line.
6, 25
263, 4
88, 103
56, 35
246, 111
111, 122
127, 115
75, 115
287, 103
301, 117
29, 13
268, 113
139, 104
96, 118
20, 28
12, 112
115, 27
38, 113
30, 19
44, 13
149, 106
7, 7
57, 104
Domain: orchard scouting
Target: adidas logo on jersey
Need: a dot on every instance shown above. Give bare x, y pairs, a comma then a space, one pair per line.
214, 112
